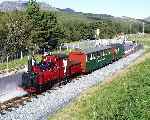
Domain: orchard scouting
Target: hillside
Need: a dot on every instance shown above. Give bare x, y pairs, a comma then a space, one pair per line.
69, 10
20, 6
14, 5
67, 16
93, 16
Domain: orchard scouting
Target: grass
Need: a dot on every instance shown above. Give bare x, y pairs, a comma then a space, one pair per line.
13, 64
142, 39
17, 63
125, 97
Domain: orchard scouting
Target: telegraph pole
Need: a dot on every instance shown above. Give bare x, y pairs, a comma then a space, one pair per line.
130, 28
51, 3
143, 28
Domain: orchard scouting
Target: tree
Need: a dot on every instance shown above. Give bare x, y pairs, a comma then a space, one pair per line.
19, 28
45, 26
147, 28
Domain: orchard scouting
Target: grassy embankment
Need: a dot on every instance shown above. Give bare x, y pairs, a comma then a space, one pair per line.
142, 39
124, 96
16, 64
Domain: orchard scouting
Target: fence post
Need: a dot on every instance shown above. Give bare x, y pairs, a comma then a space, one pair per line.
78, 45
7, 63
67, 47
44, 50
60, 48
21, 55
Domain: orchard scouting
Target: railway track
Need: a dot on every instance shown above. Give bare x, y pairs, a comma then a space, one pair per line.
14, 103
20, 101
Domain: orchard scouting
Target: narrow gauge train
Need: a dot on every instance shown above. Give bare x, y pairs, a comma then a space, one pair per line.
56, 68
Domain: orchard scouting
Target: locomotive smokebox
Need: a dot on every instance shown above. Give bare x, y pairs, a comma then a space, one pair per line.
26, 79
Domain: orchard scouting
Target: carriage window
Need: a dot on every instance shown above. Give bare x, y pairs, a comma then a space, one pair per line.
88, 57
91, 57
94, 55
103, 53
98, 54
109, 51
118, 49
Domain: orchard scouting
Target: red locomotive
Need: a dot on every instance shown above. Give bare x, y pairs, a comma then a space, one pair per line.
52, 69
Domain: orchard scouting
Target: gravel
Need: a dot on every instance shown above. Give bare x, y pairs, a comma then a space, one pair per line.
48, 103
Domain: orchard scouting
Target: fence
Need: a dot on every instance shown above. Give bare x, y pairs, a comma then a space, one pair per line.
12, 56
13, 61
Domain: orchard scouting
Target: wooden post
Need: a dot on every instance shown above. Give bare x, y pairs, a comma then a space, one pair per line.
60, 48
7, 63
67, 47
21, 55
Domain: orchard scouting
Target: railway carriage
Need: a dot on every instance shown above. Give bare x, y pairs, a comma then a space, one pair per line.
131, 48
94, 58
118, 51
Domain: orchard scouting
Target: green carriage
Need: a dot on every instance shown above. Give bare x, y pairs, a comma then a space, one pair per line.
94, 58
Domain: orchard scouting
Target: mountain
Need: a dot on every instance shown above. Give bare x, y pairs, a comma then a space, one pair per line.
88, 15
21, 5
92, 16
147, 19
12, 6
69, 10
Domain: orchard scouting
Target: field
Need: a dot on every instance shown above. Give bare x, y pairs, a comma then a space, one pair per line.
125, 96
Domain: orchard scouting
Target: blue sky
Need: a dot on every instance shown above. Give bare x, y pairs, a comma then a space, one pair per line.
130, 8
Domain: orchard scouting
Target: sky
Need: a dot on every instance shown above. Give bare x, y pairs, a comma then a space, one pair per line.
118, 8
